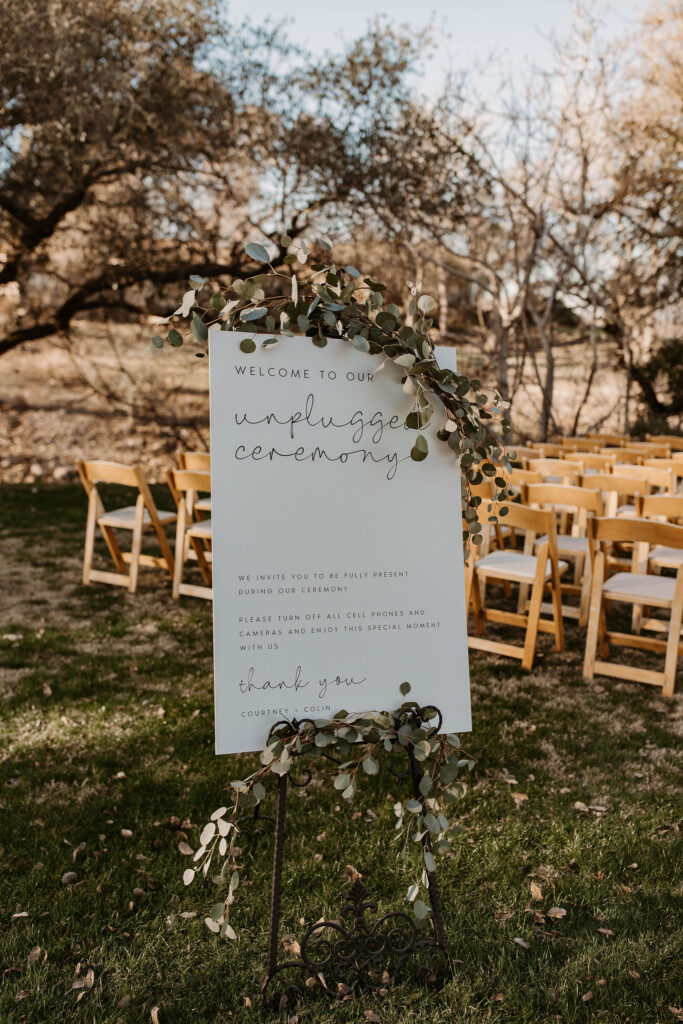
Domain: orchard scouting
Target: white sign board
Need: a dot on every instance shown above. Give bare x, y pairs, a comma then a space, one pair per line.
338, 567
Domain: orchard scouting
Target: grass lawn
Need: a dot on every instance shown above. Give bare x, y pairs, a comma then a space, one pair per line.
106, 764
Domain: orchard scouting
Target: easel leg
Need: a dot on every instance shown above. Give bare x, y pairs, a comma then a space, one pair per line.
276, 885
432, 884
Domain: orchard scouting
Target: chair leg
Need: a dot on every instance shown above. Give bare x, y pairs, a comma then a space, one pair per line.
90, 527
594, 617
535, 609
673, 643
137, 544
585, 595
179, 558
478, 606
557, 610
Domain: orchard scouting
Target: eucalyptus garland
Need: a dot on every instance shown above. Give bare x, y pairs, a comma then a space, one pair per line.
336, 301
355, 743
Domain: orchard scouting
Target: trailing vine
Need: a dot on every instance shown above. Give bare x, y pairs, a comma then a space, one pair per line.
356, 743
336, 301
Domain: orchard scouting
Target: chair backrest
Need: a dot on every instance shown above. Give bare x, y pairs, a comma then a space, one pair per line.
195, 460
580, 444
563, 496
518, 477
546, 449
665, 507
614, 486
675, 464
635, 531
609, 439
624, 456
650, 449
592, 460
535, 522
522, 453
662, 478
100, 472
563, 468
674, 441
180, 481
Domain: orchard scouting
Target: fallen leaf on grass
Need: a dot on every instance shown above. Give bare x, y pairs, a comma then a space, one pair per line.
34, 954
187, 915
20, 913
154, 1014
519, 798
185, 849
85, 981
291, 945
579, 806
557, 912
499, 997
606, 931
350, 873
522, 943
678, 1013
69, 877
126, 833
586, 997
372, 1016
536, 892
123, 1002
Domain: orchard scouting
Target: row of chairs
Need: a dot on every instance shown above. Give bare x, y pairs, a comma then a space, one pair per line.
190, 487
615, 559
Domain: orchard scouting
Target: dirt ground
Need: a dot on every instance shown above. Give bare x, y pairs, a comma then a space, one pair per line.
107, 394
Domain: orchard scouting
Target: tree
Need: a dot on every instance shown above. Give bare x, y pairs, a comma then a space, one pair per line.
126, 126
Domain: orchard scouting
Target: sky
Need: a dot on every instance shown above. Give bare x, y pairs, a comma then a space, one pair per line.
469, 31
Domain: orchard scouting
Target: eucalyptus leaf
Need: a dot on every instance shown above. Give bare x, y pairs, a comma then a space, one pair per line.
257, 252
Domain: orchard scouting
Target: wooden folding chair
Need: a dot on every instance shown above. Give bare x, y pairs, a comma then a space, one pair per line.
581, 503
539, 571
189, 533
635, 588
137, 518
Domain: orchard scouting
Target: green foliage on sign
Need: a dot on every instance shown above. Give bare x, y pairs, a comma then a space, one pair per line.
356, 743
335, 301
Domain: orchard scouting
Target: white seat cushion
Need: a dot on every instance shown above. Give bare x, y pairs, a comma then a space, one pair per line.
667, 558
638, 586
512, 565
202, 529
124, 518
626, 510
203, 504
567, 545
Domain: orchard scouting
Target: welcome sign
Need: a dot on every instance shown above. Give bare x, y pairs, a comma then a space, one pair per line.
338, 566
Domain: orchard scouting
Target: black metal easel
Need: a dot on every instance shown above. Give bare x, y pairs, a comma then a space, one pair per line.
356, 952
